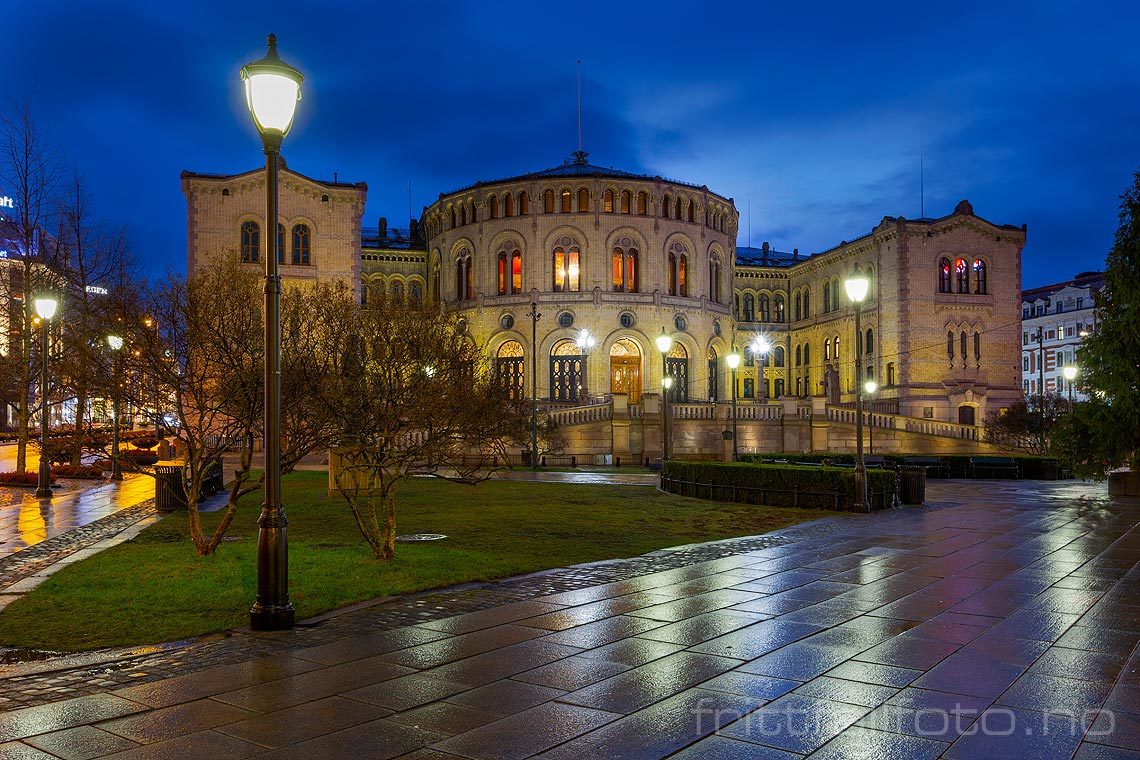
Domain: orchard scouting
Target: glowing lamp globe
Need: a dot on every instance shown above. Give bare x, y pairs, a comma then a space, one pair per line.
115, 342
664, 342
1070, 373
46, 306
667, 382
760, 346
870, 386
732, 360
272, 89
856, 286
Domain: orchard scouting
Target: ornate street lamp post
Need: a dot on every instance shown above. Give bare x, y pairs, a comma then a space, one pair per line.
664, 343
733, 362
116, 344
760, 349
46, 305
871, 387
534, 317
1070, 373
585, 342
856, 286
272, 89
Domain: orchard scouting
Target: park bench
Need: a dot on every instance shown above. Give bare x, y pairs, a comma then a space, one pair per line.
874, 461
994, 467
935, 466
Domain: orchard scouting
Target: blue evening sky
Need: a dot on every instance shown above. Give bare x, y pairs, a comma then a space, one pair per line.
812, 116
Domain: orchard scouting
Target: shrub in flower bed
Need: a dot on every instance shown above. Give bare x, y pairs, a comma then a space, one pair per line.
13, 478
139, 456
776, 485
145, 442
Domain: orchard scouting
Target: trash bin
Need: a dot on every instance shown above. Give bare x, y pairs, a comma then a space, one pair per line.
169, 488
912, 484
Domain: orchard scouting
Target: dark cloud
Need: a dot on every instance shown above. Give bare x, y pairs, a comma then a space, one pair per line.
816, 116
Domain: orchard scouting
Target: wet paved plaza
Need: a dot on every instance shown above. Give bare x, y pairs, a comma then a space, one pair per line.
1001, 621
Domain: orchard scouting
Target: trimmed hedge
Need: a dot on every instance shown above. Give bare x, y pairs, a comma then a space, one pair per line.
1031, 467
776, 485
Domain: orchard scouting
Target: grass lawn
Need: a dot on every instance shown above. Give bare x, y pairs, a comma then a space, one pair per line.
153, 588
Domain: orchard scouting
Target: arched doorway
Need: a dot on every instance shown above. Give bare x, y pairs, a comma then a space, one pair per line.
625, 369
509, 369
966, 415
567, 368
677, 365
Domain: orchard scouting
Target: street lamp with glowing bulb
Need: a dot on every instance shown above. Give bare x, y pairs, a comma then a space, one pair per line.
870, 388
1070, 373
115, 342
272, 89
761, 348
733, 362
585, 342
857, 286
664, 344
46, 305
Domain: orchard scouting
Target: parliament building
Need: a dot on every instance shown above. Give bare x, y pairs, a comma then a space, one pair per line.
583, 250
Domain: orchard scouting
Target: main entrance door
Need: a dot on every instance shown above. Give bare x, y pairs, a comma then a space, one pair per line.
625, 369
567, 367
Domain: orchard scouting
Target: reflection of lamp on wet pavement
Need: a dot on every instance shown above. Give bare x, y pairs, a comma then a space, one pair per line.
116, 343
46, 304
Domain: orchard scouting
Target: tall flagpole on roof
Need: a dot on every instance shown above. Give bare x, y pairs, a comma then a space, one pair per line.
579, 106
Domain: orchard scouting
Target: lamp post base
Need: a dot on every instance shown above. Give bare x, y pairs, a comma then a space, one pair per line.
273, 618
861, 502
43, 493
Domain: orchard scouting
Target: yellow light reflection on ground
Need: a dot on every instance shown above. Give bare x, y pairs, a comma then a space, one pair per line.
30, 524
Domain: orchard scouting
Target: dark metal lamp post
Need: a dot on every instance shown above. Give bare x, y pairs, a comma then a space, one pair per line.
664, 344
272, 89
534, 317
585, 342
733, 362
115, 342
871, 387
1070, 373
46, 305
857, 286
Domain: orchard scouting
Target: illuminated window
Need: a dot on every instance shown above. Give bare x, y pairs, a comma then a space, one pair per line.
583, 201
566, 201
464, 277
961, 276
779, 308
548, 202
608, 202
509, 205
625, 201
567, 269
516, 271
749, 311
980, 277
250, 241
301, 239
524, 203
765, 312
502, 272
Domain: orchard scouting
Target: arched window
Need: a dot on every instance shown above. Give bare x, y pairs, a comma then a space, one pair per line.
567, 265
462, 215
765, 313
250, 241
950, 344
516, 271
749, 304
280, 243
683, 275
672, 273
944, 275
398, 292
625, 201
435, 282
979, 277
464, 277
415, 293
736, 305
665, 206
631, 271
807, 304
870, 345
797, 311
961, 275
714, 280
807, 361
374, 293
778, 357
583, 201
524, 203
452, 211
826, 297
509, 205
692, 209
493, 207
890, 374
608, 201
779, 308
835, 348
566, 201
548, 202
977, 346
624, 270
643, 203
509, 369
827, 350
301, 239
503, 266
962, 343
799, 356
677, 209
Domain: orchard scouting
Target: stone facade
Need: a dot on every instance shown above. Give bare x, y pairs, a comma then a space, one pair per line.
625, 257
1054, 321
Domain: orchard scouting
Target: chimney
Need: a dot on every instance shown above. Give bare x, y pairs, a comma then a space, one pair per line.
765, 247
383, 227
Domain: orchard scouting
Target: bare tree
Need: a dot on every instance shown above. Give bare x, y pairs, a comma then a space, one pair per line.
413, 394
29, 171
1027, 426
